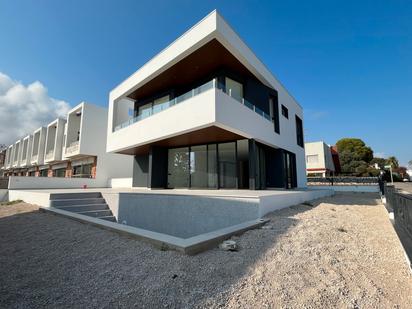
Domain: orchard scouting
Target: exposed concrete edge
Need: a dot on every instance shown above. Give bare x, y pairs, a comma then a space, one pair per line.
188, 246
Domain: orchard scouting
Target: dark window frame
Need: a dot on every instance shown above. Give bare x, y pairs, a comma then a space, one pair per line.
299, 131
285, 111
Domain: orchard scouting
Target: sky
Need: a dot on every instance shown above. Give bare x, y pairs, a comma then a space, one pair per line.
348, 63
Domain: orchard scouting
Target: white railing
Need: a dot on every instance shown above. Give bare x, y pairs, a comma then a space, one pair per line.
74, 146
34, 157
190, 94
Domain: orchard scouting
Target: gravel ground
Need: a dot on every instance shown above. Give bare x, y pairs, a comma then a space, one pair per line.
342, 252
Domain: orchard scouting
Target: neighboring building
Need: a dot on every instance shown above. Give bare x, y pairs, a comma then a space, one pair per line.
319, 161
335, 158
72, 148
206, 113
3, 153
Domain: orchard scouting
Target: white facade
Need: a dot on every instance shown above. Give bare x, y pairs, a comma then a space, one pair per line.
39, 140
54, 141
26, 151
65, 146
205, 108
319, 159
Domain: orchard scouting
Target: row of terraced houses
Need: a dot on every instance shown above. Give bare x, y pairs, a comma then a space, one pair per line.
71, 147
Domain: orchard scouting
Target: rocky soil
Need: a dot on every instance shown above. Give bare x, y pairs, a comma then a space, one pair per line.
338, 252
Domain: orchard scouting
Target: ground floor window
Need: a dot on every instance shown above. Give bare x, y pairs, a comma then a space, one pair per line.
203, 166
32, 173
59, 172
82, 171
43, 173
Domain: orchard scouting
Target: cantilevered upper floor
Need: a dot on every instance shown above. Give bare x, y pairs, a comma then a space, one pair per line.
39, 140
207, 85
54, 141
86, 127
27, 146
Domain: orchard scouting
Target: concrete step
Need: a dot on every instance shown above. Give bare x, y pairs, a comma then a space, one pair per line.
77, 195
108, 218
82, 208
96, 213
84, 201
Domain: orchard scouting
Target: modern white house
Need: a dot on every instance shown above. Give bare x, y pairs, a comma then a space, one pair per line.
207, 113
319, 161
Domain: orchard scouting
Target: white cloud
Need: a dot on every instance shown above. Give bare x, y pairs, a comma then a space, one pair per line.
25, 108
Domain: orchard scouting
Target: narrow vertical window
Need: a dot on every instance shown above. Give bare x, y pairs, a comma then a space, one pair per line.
299, 131
274, 112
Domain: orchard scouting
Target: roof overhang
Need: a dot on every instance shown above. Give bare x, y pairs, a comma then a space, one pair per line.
213, 26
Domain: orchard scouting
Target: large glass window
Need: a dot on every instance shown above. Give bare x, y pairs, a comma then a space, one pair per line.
299, 131
178, 168
161, 104
60, 172
227, 165
198, 166
234, 89
43, 173
145, 110
82, 171
212, 165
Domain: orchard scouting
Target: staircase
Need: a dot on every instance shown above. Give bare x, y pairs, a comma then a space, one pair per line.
90, 204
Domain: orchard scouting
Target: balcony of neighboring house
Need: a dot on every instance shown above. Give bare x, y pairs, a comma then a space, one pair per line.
54, 141
16, 155
26, 151
39, 138
74, 123
9, 157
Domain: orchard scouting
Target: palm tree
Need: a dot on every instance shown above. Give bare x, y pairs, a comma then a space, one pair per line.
393, 162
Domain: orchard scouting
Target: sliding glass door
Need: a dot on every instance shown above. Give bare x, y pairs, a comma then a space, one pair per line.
227, 165
178, 168
207, 166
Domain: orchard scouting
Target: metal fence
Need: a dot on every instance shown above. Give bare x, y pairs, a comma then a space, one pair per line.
4, 182
342, 181
401, 204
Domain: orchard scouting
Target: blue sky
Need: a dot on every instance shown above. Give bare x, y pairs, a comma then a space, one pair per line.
348, 63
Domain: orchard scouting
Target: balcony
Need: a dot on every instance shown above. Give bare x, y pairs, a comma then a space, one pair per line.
213, 84
73, 147
49, 155
34, 158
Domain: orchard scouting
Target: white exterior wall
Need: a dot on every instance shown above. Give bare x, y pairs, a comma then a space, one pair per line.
29, 141
324, 154
92, 142
208, 108
41, 146
57, 142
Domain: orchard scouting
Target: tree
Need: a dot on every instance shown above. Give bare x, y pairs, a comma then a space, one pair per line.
393, 162
355, 157
410, 164
380, 161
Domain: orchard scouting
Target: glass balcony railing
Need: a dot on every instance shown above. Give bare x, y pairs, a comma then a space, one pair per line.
190, 94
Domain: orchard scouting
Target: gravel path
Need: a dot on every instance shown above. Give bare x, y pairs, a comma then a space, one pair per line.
341, 253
